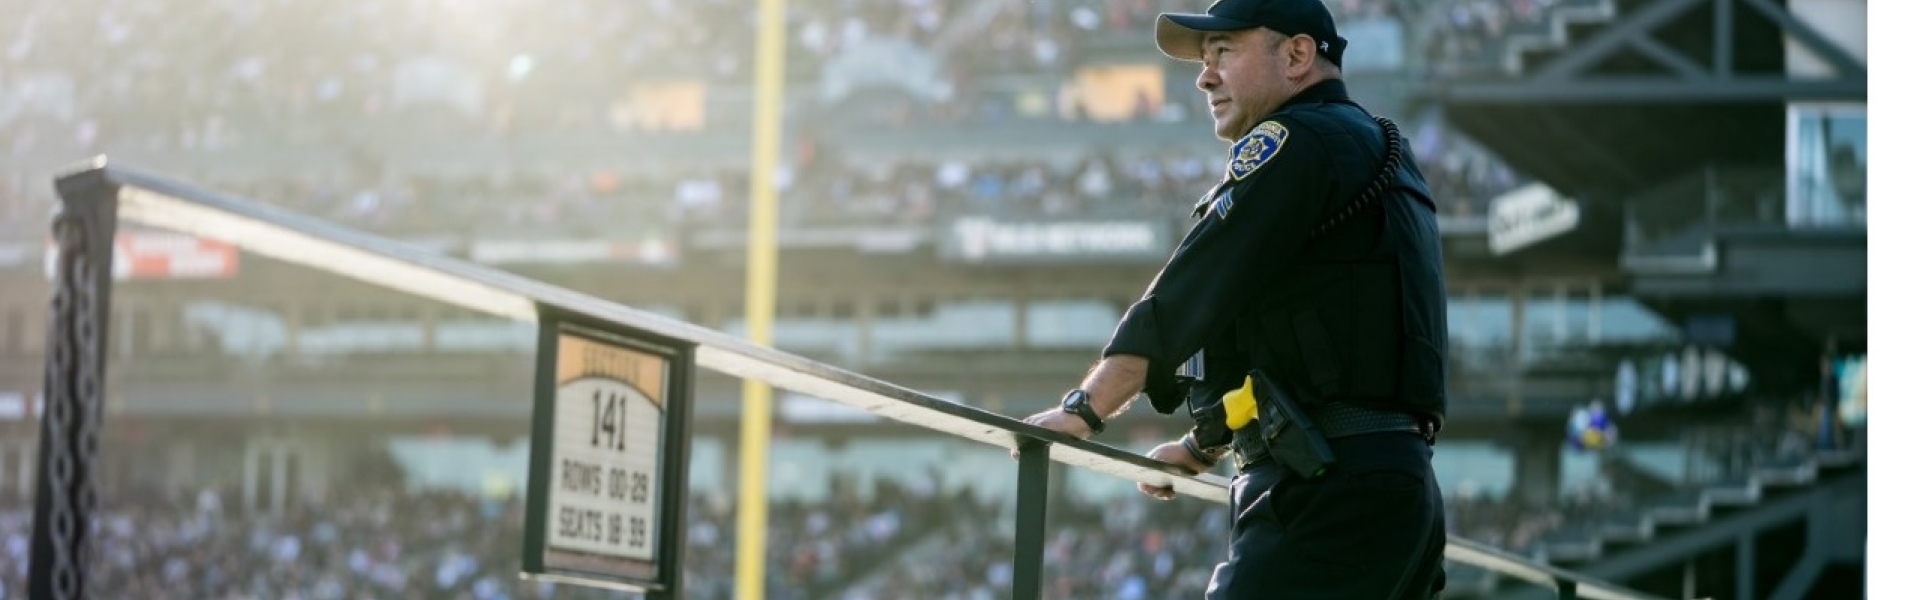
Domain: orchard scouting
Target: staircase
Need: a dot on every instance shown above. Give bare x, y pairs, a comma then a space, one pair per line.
1551, 30
1646, 546
1660, 518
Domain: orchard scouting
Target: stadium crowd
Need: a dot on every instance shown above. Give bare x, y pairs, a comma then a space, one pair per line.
196, 75
820, 191
899, 538
101, 75
381, 541
386, 543
447, 546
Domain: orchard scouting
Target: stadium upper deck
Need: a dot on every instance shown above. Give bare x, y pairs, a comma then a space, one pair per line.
426, 86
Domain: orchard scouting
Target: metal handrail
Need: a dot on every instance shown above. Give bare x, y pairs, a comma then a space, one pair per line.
1709, 197
158, 201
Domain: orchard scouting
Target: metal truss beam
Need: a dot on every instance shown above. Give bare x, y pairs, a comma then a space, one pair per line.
1845, 63
1660, 90
1570, 77
1588, 53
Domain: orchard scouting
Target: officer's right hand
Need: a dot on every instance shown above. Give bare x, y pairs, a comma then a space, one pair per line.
1172, 452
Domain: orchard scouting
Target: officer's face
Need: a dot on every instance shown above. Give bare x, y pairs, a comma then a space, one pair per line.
1247, 74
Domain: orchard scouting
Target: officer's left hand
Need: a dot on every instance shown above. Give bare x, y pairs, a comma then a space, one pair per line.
1176, 454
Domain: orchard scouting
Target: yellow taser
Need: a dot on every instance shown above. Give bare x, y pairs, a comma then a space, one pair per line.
1240, 405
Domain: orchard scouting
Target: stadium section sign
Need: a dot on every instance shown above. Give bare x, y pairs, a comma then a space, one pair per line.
980, 240
1528, 216
607, 473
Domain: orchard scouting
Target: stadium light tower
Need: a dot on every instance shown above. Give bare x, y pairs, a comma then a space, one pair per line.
756, 410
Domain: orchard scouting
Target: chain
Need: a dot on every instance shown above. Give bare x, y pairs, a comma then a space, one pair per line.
88, 328
70, 233
73, 397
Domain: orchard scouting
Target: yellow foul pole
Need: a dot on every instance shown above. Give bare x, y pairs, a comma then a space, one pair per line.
756, 412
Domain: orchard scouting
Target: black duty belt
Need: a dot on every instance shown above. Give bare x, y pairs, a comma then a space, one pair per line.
1335, 420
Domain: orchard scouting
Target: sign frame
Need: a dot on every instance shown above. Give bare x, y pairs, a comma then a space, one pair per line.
660, 578
1529, 216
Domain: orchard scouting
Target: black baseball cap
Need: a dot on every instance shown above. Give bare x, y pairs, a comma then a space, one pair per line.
1179, 34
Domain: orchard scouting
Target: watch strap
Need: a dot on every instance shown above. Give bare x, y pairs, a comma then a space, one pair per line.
1079, 403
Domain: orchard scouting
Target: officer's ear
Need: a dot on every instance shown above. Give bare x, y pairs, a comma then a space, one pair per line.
1301, 55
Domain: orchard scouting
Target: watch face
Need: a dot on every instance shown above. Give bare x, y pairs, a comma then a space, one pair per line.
1077, 403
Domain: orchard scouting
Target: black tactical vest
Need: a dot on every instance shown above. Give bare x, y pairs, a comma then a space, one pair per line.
1360, 317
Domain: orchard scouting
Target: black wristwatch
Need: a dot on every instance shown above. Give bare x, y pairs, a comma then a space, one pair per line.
1078, 403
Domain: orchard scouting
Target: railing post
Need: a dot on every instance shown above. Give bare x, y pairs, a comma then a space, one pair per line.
1569, 589
1030, 519
75, 383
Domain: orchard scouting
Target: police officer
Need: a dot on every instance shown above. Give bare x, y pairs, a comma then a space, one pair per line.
1301, 322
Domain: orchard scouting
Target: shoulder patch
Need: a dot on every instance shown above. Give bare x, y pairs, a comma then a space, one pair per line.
1256, 149
1223, 203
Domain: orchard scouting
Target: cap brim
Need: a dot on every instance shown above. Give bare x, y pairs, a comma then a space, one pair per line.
1178, 35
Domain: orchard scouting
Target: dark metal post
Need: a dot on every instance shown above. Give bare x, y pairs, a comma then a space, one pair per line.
74, 388
1030, 519
1743, 569
1569, 589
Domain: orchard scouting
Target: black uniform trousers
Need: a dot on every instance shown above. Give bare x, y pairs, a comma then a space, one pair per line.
1372, 528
